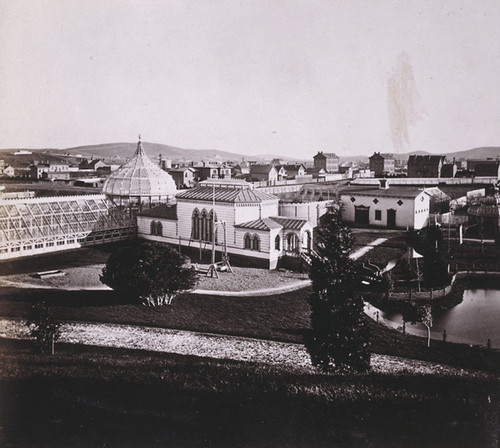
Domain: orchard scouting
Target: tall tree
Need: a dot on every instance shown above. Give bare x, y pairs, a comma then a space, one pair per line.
339, 336
429, 242
152, 273
43, 327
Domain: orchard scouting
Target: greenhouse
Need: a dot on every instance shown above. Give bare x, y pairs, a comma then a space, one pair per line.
46, 224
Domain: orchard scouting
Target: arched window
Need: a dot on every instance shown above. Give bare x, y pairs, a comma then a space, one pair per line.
204, 225
195, 225
159, 229
277, 242
247, 241
153, 228
255, 242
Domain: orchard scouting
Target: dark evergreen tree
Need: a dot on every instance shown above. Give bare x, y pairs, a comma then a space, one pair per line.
429, 243
339, 336
43, 327
152, 273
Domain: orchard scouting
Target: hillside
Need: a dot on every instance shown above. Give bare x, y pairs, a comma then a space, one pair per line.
154, 150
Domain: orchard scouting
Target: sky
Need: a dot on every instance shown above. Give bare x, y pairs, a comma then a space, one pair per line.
287, 77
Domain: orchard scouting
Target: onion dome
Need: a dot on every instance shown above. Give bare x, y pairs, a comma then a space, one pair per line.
140, 178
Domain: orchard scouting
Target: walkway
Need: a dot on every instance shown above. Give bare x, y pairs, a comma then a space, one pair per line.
213, 346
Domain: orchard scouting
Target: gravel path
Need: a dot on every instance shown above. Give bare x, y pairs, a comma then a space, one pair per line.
213, 346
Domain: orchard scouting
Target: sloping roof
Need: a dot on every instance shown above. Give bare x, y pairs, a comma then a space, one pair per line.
326, 155
425, 160
289, 223
259, 224
391, 192
162, 211
261, 169
234, 195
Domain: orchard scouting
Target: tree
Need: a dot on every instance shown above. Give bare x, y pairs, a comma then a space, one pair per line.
419, 313
429, 243
43, 328
152, 273
339, 338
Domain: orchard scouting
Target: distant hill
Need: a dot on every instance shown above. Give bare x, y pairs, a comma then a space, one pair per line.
153, 150
483, 152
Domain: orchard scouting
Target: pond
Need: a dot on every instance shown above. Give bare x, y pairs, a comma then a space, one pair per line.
475, 320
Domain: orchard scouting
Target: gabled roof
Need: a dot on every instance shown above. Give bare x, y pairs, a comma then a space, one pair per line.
274, 222
391, 192
162, 211
425, 160
259, 224
290, 223
330, 155
232, 195
261, 169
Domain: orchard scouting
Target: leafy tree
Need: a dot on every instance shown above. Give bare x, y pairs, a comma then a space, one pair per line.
338, 339
151, 272
419, 313
43, 328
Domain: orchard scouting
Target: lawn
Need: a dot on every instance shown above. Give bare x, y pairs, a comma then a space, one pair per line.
95, 397
283, 317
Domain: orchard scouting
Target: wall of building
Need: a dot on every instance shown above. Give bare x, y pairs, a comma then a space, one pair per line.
408, 214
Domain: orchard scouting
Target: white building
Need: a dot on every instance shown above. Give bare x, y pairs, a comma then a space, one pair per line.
392, 207
245, 219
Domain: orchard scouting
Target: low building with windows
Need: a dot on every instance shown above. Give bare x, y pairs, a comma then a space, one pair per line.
391, 207
232, 214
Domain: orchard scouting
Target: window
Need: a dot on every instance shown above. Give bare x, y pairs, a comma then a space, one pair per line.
378, 215
247, 241
277, 242
255, 242
156, 228
195, 226
202, 225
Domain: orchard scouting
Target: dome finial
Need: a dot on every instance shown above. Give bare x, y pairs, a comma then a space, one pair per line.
139, 137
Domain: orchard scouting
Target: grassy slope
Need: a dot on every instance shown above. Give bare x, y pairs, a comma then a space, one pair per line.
85, 396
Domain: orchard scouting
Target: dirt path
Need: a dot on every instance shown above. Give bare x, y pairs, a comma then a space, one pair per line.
212, 346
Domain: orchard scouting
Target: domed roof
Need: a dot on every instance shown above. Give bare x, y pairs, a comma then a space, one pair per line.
139, 178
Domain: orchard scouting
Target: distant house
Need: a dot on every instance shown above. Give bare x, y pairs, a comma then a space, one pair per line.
449, 170
425, 166
328, 161
242, 168
2, 166
487, 169
9, 171
183, 177
316, 172
382, 163
91, 164
266, 172
39, 171
225, 171
207, 171
291, 171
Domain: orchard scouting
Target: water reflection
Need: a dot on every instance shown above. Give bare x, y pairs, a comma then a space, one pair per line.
475, 320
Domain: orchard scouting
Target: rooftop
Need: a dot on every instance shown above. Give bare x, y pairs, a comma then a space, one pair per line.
231, 195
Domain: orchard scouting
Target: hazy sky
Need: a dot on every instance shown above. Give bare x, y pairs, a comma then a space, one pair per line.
252, 76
